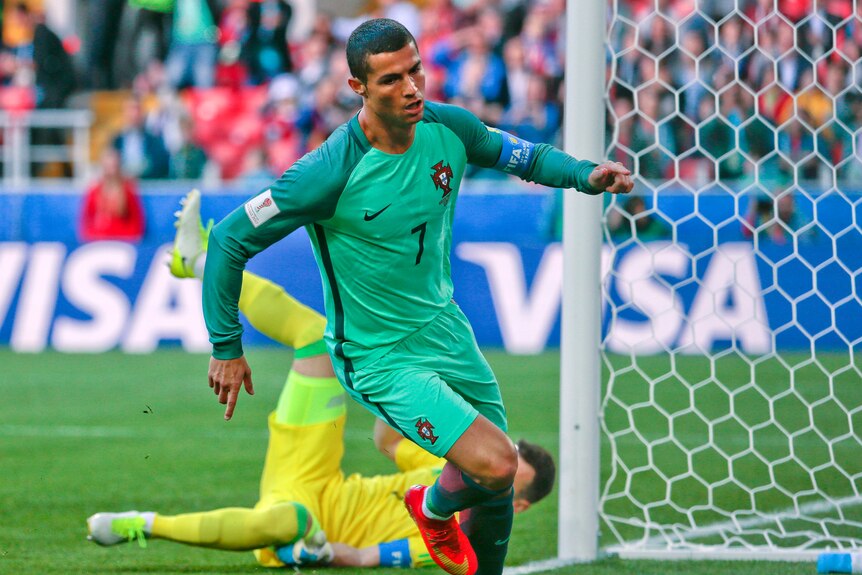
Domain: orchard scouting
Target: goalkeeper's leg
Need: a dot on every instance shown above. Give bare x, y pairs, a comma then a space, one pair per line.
235, 528
270, 309
304, 452
232, 528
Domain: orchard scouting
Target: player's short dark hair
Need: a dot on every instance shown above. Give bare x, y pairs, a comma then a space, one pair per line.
546, 471
374, 37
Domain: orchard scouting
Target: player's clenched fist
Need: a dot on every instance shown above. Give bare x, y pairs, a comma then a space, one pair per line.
612, 177
226, 377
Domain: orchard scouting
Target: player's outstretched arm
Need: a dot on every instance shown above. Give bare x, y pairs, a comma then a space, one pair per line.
553, 167
401, 553
611, 177
347, 556
226, 378
534, 162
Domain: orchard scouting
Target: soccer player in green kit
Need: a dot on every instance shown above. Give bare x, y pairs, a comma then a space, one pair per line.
378, 199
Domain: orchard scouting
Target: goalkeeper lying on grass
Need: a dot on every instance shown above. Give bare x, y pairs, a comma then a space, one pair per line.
308, 511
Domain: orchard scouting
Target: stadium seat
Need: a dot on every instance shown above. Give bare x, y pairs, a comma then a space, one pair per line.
246, 130
227, 122
17, 99
107, 109
283, 153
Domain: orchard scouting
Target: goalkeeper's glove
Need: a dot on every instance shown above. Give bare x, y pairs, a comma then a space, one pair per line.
315, 550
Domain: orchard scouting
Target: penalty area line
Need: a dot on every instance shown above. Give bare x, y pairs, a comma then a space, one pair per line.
539, 566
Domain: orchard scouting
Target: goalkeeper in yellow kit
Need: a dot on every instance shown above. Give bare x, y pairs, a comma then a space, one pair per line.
304, 494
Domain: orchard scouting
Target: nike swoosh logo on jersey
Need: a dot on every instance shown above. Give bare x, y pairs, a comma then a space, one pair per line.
369, 217
502, 541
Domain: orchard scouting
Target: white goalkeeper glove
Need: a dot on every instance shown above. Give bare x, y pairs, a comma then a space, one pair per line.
315, 550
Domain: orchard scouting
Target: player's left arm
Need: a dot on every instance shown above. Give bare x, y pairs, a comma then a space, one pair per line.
406, 553
349, 556
308, 191
555, 168
540, 163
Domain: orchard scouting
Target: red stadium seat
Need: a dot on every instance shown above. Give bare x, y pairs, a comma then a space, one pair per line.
227, 122
17, 99
283, 153
246, 130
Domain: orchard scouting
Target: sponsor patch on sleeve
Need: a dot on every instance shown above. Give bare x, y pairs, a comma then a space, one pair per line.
261, 208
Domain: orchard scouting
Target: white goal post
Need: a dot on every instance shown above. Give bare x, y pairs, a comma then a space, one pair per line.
580, 370
710, 328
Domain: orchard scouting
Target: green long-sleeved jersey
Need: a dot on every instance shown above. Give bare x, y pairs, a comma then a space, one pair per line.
380, 225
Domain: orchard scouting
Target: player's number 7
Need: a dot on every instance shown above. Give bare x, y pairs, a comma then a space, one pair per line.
420, 229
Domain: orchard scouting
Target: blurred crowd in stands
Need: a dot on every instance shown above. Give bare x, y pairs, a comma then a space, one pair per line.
775, 84
217, 85
218, 89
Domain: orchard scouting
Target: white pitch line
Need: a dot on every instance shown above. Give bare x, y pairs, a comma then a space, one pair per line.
808, 508
785, 514
113, 432
539, 566
116, 432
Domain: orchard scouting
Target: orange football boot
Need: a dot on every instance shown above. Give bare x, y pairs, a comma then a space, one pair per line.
447, 544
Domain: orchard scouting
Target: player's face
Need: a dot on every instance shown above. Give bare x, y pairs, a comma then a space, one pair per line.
394, 89
524, 476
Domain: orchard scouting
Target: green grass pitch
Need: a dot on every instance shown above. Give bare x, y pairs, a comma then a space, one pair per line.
87, 433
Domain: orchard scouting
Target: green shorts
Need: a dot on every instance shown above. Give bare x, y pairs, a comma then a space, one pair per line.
432, 385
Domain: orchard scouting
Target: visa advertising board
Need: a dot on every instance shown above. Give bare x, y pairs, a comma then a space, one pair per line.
702, 288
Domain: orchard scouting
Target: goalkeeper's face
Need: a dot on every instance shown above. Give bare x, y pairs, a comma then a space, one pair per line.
394, 88
524, 477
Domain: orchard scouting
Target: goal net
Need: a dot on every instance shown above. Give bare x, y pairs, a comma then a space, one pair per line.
732, 279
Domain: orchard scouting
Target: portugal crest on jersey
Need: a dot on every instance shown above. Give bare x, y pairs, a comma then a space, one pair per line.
425, 430
442, 178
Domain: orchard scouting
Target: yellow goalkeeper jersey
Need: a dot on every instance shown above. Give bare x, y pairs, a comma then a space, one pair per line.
364, 511
303, 465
